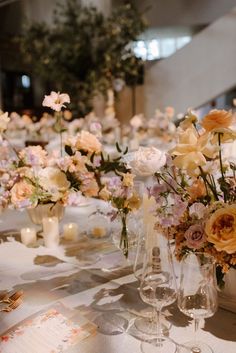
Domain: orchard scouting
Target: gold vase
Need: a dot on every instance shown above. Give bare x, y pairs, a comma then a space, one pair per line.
41, 211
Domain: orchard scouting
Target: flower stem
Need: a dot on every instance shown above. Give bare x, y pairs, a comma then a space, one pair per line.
124, 243
221, 165
60, 127
213, 190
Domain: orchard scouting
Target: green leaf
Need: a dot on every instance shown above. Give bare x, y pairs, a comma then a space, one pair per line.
69, 150
118, 147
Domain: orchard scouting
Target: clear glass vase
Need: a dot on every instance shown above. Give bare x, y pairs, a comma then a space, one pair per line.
41, 211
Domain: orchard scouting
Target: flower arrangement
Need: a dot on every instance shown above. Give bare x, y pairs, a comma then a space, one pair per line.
195, 191
32, 176
156, 130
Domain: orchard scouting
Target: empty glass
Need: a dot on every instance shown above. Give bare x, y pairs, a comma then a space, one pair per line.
146, 321
197, 296
158, 289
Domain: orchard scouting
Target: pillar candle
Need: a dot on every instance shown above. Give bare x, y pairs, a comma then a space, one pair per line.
51, 231
28, 236
70, 231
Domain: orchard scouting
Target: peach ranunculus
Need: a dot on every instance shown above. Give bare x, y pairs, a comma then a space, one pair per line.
220, 229
191, 150
217, 119
21, 193
88, 142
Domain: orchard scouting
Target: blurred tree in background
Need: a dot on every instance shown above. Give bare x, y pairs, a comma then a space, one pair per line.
83, 52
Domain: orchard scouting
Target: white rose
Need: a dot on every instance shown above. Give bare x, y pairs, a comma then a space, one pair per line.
146, 161
54, 181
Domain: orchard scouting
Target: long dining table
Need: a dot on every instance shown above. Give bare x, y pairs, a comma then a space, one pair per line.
90, 276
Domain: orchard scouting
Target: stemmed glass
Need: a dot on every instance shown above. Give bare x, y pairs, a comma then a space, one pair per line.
197, 296
158, 289
146, 321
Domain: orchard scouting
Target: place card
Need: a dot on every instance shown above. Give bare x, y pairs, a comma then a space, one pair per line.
47, 331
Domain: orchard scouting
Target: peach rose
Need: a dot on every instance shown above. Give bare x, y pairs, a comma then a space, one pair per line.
220, 229
21, 192
217, 119
88, 142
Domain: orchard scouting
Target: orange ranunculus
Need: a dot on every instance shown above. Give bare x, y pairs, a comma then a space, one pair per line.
217, 119
220, 229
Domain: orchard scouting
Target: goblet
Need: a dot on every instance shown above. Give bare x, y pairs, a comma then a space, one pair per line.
197, 295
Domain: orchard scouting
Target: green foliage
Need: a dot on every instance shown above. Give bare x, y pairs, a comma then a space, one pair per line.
84, 51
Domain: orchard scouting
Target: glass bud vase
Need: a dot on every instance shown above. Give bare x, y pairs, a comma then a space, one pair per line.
41, 211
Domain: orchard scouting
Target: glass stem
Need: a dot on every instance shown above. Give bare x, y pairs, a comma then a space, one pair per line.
196, 327
195, 348
158, 323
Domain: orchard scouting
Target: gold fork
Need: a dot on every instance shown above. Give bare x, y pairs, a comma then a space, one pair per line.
12, 306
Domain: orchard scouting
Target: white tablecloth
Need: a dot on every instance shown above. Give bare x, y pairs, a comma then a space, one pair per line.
108, 298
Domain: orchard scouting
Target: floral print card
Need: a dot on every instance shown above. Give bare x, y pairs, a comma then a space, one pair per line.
46, 332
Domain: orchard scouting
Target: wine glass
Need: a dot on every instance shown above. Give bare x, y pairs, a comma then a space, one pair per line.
146, 321
197, 295
158, 289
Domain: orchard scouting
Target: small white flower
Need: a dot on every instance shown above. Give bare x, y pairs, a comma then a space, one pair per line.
56, 100
137, 121
197, 209
4, 120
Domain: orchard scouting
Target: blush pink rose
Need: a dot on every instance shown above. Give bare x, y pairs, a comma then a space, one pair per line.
195, 236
